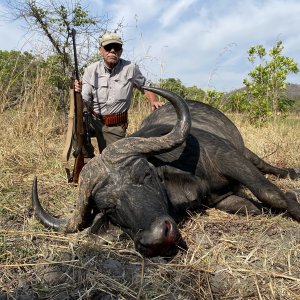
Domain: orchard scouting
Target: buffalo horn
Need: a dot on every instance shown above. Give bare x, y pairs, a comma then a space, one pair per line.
46, 219
154, 145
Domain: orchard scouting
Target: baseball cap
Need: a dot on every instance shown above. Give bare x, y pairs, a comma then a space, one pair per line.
109, 38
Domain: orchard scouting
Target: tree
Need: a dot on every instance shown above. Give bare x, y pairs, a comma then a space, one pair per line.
174, 85
237, 102
54, 21
215, 99
267, 82
17, 72
194, 93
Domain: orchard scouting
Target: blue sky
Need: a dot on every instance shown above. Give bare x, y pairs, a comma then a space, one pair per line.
202, 43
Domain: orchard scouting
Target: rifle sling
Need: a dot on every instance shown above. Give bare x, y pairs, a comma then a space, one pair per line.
68, 142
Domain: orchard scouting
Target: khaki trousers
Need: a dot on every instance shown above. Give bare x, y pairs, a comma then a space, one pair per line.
105, 135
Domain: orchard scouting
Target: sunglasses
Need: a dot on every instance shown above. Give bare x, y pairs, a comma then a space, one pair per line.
115, 46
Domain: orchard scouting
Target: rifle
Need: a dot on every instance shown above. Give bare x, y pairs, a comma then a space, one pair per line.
81, 123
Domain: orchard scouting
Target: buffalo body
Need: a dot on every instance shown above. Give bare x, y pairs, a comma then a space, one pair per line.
181, 159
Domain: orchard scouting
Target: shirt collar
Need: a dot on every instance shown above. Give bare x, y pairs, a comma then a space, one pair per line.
107, 69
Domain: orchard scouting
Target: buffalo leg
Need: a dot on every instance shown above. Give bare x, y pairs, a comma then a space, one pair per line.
242, 170
234, 204
91, 177
266, 168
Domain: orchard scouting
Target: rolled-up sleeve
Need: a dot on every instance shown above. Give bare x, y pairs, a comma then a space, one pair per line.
139, 79
87, 88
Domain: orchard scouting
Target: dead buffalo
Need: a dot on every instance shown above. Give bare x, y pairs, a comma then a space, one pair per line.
179, 160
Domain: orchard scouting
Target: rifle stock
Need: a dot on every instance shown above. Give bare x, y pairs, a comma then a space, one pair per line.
79, 131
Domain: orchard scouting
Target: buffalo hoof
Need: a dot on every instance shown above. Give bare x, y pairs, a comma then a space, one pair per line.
296, 193
294, 173
293, 205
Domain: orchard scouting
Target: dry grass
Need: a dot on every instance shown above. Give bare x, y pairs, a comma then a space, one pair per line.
229, 257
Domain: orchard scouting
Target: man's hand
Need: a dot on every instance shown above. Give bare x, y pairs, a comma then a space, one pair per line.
77, 86
156, 104
153, 99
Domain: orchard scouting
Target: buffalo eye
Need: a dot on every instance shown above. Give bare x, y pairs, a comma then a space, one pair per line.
142, 176
141, 172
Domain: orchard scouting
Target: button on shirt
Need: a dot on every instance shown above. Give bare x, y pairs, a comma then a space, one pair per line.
110, 91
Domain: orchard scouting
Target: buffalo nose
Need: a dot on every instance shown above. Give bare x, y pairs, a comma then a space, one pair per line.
162, 231
170, 234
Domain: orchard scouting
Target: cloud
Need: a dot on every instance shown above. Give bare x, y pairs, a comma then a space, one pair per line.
198, 42
173, 13
219, 39
127, 11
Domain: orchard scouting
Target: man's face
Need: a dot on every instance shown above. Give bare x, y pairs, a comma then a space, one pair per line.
111, 53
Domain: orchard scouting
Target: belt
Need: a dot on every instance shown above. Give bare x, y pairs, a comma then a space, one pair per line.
112, 119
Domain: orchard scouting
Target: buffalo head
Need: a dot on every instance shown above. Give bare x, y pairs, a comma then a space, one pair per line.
123, 188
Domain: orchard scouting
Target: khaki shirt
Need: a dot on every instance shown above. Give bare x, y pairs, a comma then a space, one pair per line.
111, 92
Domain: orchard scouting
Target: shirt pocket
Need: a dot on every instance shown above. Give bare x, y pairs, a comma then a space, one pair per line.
100, 89
123, 86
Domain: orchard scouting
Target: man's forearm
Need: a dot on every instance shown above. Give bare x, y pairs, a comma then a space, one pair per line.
153, 100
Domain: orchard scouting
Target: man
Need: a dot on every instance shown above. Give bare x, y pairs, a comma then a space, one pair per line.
107, 89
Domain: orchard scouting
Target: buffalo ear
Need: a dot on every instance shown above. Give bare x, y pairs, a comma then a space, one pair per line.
104, 196
183, 188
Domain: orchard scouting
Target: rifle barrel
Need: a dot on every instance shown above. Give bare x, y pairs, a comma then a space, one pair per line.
75, 54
